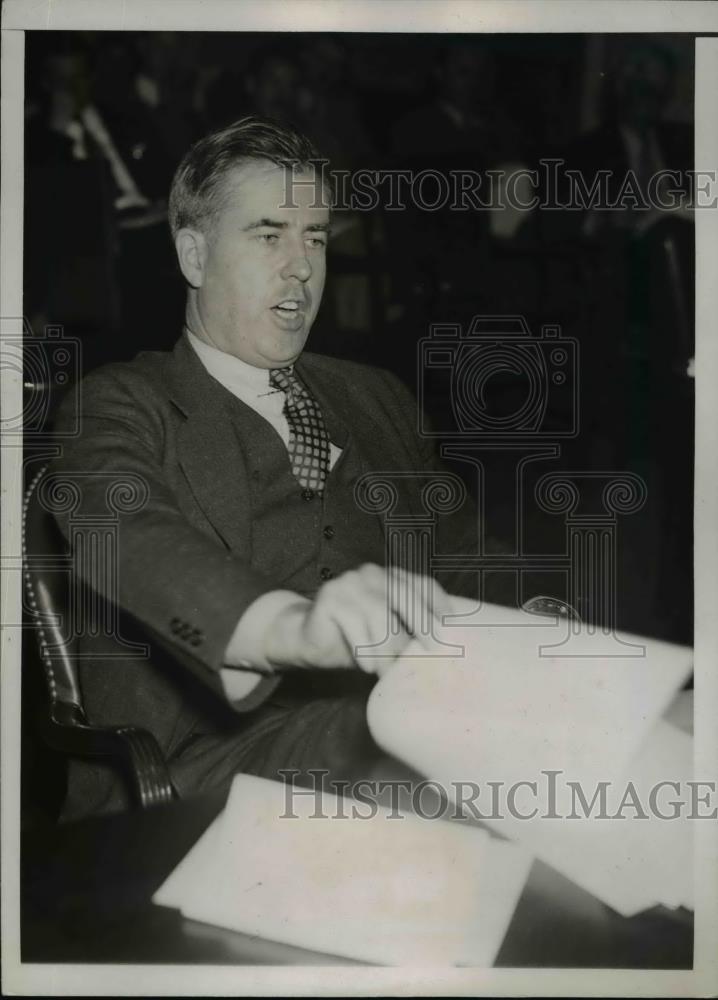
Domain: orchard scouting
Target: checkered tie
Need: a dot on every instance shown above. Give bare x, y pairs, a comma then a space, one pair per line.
308, 437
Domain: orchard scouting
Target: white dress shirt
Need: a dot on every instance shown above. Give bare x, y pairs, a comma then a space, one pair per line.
251, 386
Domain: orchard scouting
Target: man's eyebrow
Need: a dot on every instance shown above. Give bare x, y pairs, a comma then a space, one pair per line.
266, 223
316, 227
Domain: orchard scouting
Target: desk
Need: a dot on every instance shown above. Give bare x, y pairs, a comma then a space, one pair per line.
87, 888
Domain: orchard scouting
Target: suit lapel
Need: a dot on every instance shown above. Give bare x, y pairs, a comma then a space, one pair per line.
353, 412
209, 451
348, 412
335, 402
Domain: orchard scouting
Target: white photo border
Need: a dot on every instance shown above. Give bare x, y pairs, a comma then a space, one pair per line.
437, 16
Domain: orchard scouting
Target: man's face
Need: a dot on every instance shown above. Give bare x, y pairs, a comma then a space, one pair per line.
265, 265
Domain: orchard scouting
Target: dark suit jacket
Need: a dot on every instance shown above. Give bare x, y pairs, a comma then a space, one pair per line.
183, 559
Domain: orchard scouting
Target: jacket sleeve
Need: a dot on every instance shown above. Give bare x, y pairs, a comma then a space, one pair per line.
183, 587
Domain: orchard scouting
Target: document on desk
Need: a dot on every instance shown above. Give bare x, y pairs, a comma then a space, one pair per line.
389, 891
511, 712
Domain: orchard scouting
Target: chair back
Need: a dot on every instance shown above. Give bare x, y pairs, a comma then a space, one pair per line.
46, 574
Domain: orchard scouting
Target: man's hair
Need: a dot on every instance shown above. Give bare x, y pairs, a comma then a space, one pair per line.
197, 186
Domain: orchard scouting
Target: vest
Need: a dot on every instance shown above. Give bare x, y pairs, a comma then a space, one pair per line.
301, 539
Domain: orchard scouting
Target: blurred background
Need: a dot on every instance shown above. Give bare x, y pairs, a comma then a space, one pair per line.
109, 115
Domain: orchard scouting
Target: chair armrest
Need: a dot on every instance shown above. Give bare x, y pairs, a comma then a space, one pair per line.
136, 748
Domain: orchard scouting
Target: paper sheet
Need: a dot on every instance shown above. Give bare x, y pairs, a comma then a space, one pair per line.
630, 864
504, 713
387, 891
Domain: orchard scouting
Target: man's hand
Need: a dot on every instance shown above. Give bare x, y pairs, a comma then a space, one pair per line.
368, 607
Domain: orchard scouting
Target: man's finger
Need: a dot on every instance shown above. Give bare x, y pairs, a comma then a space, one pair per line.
373, 632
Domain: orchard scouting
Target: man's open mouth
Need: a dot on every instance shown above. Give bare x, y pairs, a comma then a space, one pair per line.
288, 308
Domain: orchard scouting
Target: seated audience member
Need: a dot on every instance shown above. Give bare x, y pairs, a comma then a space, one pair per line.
248, 569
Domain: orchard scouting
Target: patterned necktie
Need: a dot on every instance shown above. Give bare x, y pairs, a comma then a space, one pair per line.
308, 437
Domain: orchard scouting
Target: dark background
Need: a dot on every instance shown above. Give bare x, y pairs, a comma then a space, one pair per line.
109, 277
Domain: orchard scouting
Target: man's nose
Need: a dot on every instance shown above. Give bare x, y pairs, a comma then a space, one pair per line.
297, 265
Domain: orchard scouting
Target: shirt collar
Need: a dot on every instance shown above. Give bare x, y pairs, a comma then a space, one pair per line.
230, 371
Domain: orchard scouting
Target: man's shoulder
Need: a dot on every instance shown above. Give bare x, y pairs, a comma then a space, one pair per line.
148, 368
142, 383
133, 392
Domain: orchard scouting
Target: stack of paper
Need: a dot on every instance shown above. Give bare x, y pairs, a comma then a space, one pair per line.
503, 714
385, 890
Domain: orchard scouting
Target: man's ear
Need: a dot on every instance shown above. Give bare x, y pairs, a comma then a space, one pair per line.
191, 247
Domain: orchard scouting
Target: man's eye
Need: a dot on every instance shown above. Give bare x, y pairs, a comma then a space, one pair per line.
317, 241
268, 237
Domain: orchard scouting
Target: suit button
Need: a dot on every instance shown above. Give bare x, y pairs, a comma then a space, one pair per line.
308, 494
325, 573
328, 532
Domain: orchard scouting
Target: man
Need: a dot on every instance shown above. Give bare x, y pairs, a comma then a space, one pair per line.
246, 563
